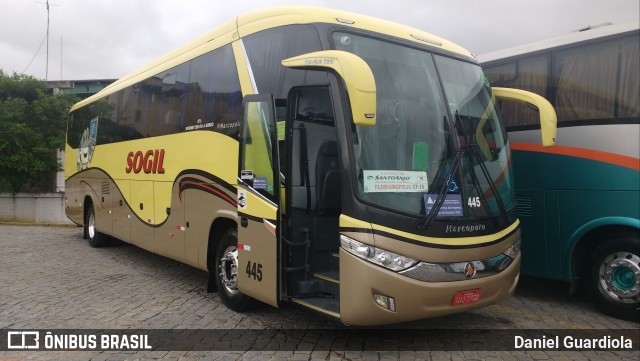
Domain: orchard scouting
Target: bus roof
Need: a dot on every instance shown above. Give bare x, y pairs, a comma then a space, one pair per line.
250, 23
561, 41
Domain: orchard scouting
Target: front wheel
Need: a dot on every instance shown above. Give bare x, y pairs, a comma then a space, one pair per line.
615, 277
226, 269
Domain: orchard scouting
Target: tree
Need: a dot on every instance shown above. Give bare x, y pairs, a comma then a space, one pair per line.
32, 128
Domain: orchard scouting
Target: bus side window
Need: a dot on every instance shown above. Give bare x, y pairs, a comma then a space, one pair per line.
214, 95
529, 74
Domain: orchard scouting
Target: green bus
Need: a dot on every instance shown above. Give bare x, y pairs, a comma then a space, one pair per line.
579, 201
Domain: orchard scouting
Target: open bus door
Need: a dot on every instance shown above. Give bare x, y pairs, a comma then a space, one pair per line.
258, 199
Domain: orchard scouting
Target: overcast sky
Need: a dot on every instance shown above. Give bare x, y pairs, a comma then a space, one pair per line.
91, 39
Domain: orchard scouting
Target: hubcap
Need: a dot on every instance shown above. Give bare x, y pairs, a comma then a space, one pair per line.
228, 269
620, 276
91, 228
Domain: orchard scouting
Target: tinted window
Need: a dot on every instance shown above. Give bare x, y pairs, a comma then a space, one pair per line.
596, 82
268, 48
599, 81
214, 94
201, 94
529, 74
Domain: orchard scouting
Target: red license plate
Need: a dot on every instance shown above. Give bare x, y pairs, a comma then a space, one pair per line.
466, 297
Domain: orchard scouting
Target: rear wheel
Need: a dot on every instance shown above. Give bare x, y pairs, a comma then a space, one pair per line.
96, 239
227, 273
615, 277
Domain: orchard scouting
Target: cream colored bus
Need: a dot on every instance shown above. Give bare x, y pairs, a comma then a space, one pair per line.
351, 165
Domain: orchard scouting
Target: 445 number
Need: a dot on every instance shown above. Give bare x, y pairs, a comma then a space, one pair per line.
254, 270
474, 202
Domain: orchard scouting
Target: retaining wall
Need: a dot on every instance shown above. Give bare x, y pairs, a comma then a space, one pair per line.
33, 208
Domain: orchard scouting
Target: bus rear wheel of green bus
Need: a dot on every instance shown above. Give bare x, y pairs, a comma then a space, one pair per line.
616, 277
227, 273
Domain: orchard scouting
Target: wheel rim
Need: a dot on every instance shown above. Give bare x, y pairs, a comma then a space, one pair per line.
620, 276
91, 227
228, 269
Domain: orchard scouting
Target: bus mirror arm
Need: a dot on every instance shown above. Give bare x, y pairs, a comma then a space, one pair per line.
548, 118
356, 74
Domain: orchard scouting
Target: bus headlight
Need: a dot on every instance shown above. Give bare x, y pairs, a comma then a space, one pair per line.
514, 250
381, 257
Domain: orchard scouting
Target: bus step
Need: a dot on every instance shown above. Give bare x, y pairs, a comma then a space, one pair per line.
329, 282
327, 306
329, 276
326, 283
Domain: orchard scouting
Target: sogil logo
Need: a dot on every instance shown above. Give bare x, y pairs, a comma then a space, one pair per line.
151, 161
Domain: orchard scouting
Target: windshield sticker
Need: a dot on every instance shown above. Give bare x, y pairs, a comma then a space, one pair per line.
246, 174
453, 186
260, 183
452, 206
378, 181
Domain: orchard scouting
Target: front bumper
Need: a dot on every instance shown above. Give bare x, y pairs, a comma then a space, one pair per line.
414, 299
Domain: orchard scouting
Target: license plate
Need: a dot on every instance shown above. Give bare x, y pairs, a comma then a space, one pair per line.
466, 297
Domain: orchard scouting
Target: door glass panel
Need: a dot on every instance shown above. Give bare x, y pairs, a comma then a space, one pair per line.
258, 145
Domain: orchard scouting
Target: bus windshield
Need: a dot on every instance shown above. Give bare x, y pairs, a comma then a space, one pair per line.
408, 159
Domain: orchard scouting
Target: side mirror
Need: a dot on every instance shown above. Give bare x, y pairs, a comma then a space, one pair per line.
356, 74
548, 118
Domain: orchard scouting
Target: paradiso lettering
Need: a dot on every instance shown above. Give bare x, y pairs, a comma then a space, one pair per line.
151, 161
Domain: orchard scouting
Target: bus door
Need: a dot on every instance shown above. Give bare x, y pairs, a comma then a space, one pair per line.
258, 199
311, 240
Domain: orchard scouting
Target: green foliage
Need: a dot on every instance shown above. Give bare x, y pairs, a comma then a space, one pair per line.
32, 128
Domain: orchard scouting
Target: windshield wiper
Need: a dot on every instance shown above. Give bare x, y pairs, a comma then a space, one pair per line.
425, 222
474, 148
475, 151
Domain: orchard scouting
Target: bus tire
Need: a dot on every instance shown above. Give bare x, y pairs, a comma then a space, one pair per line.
226, 268
615, 277
95, 238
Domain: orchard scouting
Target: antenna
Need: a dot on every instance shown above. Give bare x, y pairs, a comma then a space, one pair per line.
589, 27
47, 66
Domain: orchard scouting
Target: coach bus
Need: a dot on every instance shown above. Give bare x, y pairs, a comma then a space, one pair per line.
350, 165
578, 202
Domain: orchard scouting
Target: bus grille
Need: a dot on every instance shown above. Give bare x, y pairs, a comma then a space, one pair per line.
524, 206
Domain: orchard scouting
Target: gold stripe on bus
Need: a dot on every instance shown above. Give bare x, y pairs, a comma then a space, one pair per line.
350, 222
455, 241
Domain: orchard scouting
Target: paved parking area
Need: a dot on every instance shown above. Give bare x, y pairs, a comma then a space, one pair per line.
51, 279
